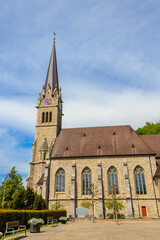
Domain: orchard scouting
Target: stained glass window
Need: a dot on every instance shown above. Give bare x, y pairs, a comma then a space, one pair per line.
86, 181
112, 179
140, 180
60, 180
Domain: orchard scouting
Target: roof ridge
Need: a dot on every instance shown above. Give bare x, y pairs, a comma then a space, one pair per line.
99, 127
149, 135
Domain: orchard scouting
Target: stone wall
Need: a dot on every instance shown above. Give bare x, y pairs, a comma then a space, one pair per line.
127, 193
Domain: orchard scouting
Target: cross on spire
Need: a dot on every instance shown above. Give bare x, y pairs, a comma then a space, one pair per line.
54, 36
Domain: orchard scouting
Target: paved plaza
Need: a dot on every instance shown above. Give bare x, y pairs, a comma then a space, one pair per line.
100, 230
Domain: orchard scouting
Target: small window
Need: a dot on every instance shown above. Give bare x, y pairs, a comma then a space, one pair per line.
112, 179
60, 180
50, 117
46, 116
43, 117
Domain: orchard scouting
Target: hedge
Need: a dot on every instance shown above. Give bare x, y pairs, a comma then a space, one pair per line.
24, 215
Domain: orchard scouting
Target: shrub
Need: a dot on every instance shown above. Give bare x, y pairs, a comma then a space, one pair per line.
63, 218
86, 204
25, 215
57, 205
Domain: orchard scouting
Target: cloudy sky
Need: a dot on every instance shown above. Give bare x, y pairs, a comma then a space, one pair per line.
108, 54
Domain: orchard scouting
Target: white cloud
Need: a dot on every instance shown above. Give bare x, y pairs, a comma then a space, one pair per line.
100, 107
18, 113
95, 39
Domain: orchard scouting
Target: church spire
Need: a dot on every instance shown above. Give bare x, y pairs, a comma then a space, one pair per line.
52, 74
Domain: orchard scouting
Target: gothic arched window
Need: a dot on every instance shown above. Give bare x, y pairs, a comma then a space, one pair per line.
46, 116
112, 179
60, 180
140, 180
50, 117
43, 117
86, 181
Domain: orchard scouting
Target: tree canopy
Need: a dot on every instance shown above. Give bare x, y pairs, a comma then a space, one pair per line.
28, 199
13, 194
114, 203
149, 129
11, 185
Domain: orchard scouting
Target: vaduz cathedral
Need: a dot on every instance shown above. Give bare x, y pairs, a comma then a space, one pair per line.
66, 162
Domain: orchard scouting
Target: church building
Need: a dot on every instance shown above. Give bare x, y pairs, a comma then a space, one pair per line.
66, 162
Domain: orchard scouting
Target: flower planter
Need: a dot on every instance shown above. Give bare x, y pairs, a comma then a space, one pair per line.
34, 228
63, 221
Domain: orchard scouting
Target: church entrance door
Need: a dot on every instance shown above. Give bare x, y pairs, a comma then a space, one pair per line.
144, 212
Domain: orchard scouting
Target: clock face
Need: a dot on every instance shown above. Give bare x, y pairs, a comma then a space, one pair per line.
47, 101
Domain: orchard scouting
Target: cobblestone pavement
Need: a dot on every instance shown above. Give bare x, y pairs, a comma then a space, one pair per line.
102, 230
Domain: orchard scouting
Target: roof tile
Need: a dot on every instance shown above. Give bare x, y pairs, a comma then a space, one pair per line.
111, 145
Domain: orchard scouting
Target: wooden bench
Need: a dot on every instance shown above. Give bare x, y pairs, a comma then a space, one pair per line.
14, 227
51, 220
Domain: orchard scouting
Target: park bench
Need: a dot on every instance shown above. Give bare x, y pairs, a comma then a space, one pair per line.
14, 227
51, 220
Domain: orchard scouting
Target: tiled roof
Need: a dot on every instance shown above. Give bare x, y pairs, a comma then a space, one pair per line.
153, 141
99, 141
158, 161
157, 173
40, 182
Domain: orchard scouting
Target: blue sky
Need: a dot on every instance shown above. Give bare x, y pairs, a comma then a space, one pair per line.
108, 55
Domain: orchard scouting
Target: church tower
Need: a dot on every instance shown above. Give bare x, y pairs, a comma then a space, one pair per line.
48, 126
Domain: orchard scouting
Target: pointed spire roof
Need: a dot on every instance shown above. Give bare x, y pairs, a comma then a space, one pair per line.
52, 74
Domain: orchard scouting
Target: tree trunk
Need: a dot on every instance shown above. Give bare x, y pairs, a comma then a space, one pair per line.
116, 218
92, 210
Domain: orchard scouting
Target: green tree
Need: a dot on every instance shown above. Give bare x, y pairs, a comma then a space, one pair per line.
86, 205
114, 204
39, 203
57, 205
11, 185
24, 199
27, 199
18, 200
93, 192
149, 128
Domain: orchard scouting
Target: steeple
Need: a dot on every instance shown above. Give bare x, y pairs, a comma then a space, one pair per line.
52, 74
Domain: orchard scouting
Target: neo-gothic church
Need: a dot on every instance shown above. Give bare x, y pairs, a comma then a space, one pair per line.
66, 162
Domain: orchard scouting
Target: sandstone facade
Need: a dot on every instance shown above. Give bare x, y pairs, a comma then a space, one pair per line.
98, 149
